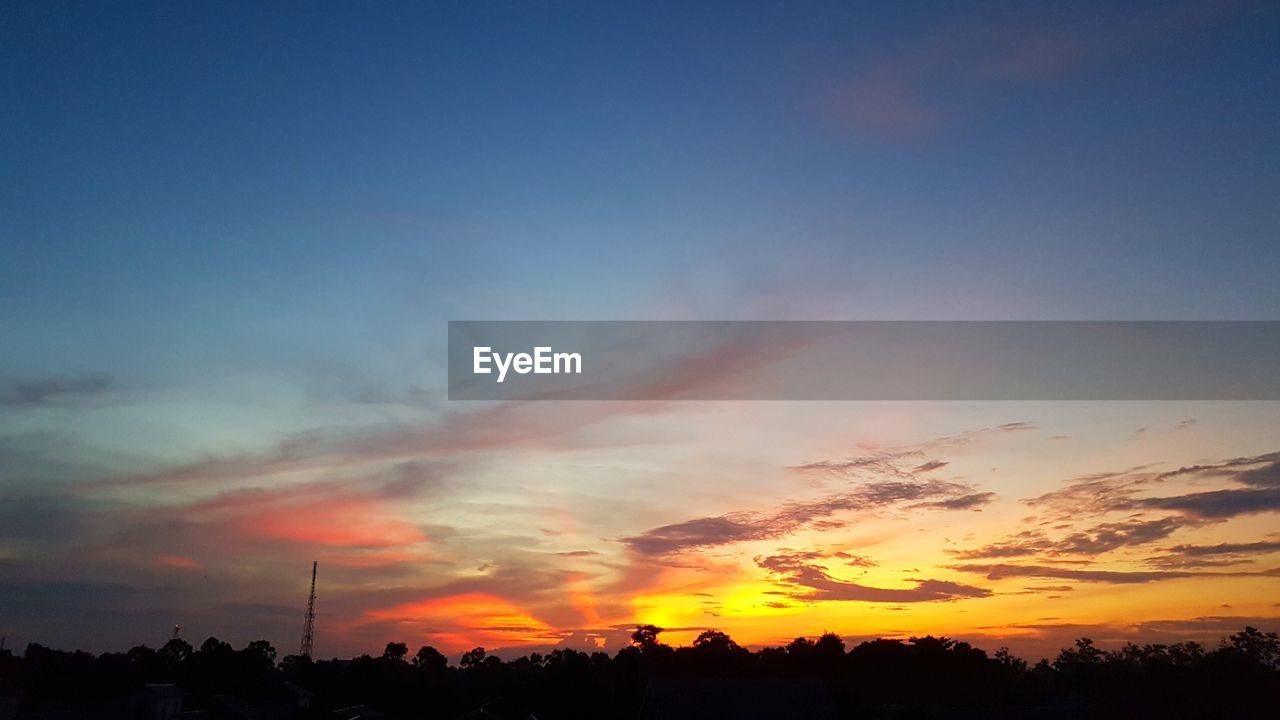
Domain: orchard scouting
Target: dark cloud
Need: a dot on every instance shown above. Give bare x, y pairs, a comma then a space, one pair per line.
1220, 555
1235, 467
972, 501
903, 462
1222, 624
1110, 536
887, 464
810, 581
1040, 589
707, 531
39, 460
851, 560
929, 466
1268, 546
44, 521
1216, 504
1121, 577
55, 391
747, 526
1096, 540
1128, 491
1002, 571
1027, 542
1265, 476
410, 479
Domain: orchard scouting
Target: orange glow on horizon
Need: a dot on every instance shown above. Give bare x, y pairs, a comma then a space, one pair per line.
459, 622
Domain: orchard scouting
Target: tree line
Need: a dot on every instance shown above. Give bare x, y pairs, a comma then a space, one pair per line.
919, 677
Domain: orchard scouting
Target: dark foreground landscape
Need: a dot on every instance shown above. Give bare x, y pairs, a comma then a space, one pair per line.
926, 677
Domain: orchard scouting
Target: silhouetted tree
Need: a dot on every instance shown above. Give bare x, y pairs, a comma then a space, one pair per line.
296, 663
918, 678
472, 658
395, 651
1084, 653
1006, 659
646, 636
261, 652
213, 646
1262, 648
714, 641
431, 659
175, 651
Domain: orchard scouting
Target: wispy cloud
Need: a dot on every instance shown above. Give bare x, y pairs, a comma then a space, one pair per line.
805, 579
747, 526
1123, 577
1222, 554
56, 391
1096, 540
877, 479
1253, 487
914, 90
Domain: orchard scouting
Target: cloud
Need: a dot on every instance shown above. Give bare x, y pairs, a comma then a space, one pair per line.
1222, 554
1110, 536
457, 622
884, 464
1094, 497
809, 581
708, 531
972, 501
1120, 577
881, 479
44, 520
918, 87
929, 466
748, 526
56, 391
483, 427
1094, 541
1001, 572
1265, 476
1027, 542
902, 462
1242, 469
1227, 548
1217, 503
1041, 589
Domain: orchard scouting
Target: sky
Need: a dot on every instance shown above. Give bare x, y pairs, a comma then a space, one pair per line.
232, 236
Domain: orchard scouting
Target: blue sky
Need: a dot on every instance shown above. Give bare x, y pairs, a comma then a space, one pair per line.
225, 227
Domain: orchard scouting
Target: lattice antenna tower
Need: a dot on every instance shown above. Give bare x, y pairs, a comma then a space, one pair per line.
309, 624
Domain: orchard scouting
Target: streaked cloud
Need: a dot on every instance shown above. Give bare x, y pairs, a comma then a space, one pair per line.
751, 525
808, 580
1123, 577
56, 391
917, 88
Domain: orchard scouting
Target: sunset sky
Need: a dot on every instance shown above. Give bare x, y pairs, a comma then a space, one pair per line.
230, 243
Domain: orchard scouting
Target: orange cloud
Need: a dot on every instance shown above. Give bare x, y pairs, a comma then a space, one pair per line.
375, 558
178, 561
459, 622
336, 522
